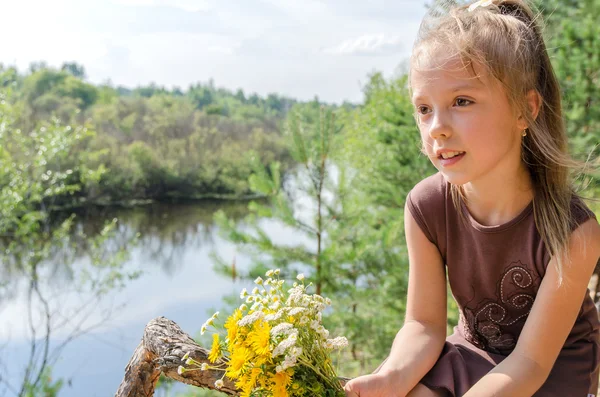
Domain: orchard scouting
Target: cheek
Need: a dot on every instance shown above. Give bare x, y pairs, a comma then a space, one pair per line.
487, 145
490, 128
426, 145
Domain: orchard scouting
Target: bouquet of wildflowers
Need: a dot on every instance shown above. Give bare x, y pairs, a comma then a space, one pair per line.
277, 346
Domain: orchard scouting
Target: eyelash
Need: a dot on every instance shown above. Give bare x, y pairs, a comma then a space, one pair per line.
457, 99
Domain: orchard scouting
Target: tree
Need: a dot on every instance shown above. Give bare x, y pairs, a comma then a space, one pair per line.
49, 92
240, 95
37, 66
572, 36
382, 162
74, 69
201, 96
9, 77
311, 148
35, 172
353, 176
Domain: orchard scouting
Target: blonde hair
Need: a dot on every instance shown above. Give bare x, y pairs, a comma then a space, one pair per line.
506, 39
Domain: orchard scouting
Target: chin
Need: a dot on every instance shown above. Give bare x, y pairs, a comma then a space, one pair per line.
454, 178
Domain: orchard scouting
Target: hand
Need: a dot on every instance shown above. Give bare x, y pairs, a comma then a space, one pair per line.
374, 385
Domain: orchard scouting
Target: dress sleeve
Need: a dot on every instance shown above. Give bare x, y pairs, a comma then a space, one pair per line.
419, 217
580, 212
427, 204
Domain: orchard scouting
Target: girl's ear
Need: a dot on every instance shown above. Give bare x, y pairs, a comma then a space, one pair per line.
534, 102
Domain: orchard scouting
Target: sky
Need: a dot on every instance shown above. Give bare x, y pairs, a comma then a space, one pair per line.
295, 48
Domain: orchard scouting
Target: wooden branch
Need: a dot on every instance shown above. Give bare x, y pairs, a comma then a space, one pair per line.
160, 351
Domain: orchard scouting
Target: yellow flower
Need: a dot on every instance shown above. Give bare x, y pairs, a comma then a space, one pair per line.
238, 362
245, 392
232, 327
255, 373
280, 381
215, 351
247, 382
297, 387
260, 338
262, 381
245, 385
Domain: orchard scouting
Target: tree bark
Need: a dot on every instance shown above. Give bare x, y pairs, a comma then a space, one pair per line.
160, 351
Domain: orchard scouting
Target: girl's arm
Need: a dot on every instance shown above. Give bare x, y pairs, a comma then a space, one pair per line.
551, 319
419, 343
513, 377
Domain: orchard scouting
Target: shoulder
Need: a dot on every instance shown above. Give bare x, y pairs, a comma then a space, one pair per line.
431, 190
580, 212
585, 230
426, 202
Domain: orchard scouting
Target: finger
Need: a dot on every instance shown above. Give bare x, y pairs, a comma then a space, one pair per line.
349, 389
352, 394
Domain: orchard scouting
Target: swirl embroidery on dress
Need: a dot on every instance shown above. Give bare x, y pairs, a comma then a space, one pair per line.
487, 326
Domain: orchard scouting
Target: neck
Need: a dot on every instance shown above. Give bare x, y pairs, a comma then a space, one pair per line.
498, 198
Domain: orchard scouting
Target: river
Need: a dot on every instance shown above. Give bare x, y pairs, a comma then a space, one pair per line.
177, 281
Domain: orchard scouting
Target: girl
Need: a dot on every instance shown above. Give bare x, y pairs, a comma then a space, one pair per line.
500, 217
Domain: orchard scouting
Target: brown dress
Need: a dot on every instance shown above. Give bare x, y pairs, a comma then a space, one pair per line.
494, 274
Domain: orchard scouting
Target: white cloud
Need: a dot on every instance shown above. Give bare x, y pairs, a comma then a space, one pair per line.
221, 49
301, 9
378, 44
186, 5
299, 48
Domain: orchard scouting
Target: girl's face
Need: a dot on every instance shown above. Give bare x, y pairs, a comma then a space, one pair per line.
467, 126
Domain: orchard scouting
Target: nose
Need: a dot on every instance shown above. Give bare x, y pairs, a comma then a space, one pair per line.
440, 126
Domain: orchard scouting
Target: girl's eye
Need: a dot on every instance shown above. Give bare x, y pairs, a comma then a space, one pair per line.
421, 109
462, 100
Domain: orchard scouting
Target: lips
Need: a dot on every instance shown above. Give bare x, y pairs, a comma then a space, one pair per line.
447, 153
446, 162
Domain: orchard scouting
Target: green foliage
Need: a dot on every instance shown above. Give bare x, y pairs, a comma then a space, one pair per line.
52, 92
312, 179
380, 162
572, 37
224, 102
152, 143
355, 182
576, 59
9, 77
46, 386
38, 169
74, 69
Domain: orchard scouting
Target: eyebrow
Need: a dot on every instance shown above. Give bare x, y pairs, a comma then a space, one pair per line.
461, 87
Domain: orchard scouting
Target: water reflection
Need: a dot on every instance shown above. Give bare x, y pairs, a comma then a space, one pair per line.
165, 231
172, 249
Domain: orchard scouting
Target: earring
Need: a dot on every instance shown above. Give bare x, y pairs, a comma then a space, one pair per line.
524, 132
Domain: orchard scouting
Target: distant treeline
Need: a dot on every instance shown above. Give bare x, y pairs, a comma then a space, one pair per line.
154, 142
